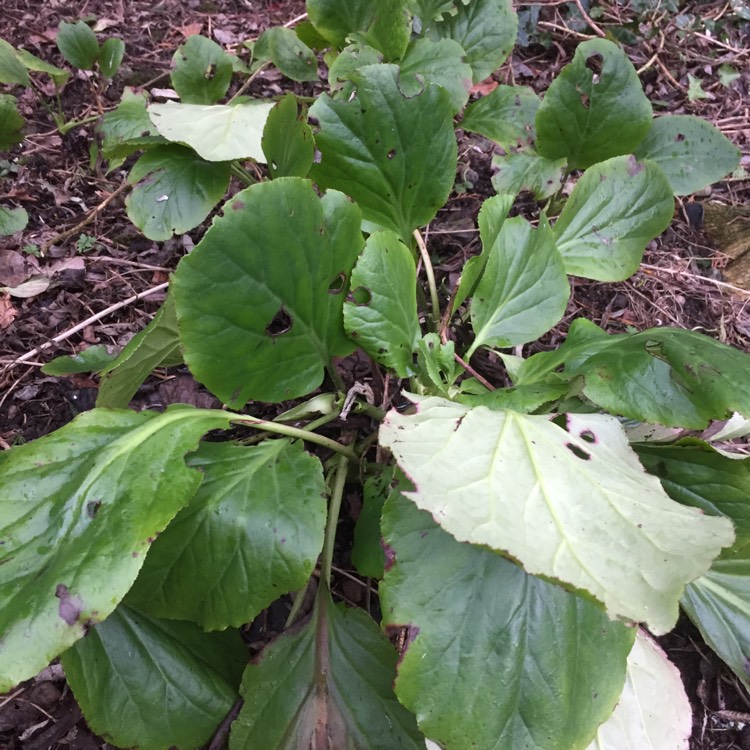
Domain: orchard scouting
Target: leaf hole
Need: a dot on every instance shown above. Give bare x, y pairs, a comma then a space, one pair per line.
680, 137
280, 323
578, 452
588, 436
361, 296
584, 101
595, 63
391, 153
338, 284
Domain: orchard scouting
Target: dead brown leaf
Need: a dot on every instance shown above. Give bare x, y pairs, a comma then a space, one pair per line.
7, 311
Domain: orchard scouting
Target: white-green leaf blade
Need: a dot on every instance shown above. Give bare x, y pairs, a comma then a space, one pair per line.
252, 533
217, 132
394, 155
691, 152
381, 314
134, 673
78, 511
653, 712
573, 505
497, 658
616, 208
329, 684
523, 291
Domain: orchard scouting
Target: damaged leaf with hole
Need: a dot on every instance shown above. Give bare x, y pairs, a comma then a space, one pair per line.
256, 304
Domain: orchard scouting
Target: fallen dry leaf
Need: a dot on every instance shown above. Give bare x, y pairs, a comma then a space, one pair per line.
7, 311
484, 87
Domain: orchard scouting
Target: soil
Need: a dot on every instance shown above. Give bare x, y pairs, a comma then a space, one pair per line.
95, 259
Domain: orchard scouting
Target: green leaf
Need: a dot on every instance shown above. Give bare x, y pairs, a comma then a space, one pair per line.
695, 89
176, 190
218, 132
526, 170
337, 19
77, 44
432, 10
491, 217
260, 299
367, 551
201, 71
394, 155
390, 29
497, 658
667, 376
381, 313
78, 511
691, 152
310, 36
154, 684
11, 121
728, 75
486, 29
594, 109
436, 365
12, 220
506, 116
127, 128
330, 682
32, 62
572, 505
523, 398
653, 710
110, 58
91, 359
523, 291
352, 58
719, 604
693, 473
583, 340
440, 62
288, 144
158, 344
615, 210
252, 533
288, 53
12, 70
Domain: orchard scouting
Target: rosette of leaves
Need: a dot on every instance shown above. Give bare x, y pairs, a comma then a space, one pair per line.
519, 532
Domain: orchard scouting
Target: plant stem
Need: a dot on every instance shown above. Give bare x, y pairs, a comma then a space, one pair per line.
430, 277
362, 407
296, 432
245, 86
334, 507
241, 174
297, 605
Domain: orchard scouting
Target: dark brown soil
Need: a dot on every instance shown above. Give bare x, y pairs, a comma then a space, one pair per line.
96, 259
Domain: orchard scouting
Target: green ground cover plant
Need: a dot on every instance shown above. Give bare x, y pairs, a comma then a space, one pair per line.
527, 534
